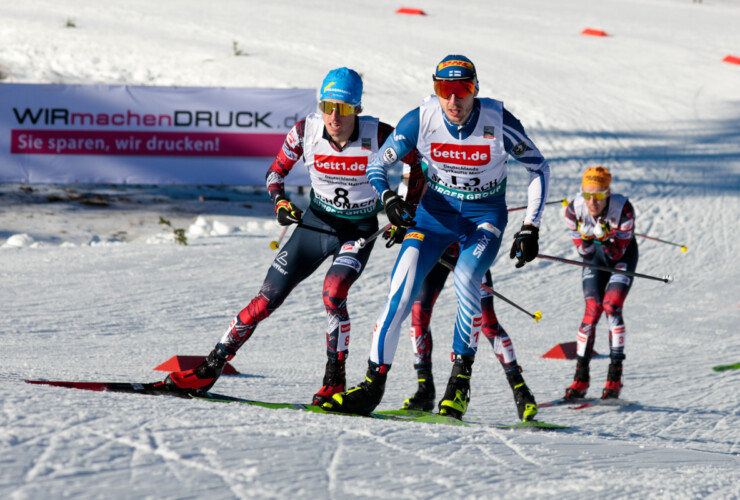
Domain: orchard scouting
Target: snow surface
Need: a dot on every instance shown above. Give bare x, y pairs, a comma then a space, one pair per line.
94, 286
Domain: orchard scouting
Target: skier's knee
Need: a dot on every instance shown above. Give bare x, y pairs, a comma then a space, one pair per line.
593, 312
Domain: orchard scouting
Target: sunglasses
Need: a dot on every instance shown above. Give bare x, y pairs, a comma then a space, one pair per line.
599, 195
342, 108
461, 88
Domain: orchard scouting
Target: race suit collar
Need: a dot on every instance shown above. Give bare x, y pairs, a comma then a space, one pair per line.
464, 131
352, 138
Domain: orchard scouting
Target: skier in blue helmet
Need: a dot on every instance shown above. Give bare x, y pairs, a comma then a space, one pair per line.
465, 142
336, 145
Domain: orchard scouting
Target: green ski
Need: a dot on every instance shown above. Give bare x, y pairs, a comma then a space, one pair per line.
722, 368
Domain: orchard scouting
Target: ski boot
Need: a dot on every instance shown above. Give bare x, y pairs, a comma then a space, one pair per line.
581, 380
613, 381
334, 382
202, 377
526, 405
424, 398
455, 401
362, 399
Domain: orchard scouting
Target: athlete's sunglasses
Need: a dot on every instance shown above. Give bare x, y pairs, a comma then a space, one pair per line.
461, 88
599, 195
342, 108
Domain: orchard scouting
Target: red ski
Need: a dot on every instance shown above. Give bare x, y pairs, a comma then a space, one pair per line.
153, 389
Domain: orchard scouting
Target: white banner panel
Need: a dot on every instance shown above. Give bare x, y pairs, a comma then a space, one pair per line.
146, 135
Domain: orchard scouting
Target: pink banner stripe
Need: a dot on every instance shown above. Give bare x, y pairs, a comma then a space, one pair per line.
136, 143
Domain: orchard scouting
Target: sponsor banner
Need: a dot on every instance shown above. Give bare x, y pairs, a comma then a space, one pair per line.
146, 135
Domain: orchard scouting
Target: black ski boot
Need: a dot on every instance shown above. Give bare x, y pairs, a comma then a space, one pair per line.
424, 398
455, 401
334, 382
526, 406
202, 377
364, 398
613, 381
581, 380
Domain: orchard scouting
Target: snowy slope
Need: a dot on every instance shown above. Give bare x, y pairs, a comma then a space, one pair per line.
104, 293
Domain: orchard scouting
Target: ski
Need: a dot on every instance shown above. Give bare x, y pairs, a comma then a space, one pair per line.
534, 425
582, 403
157, 389
150, 389
398, 415
564, 402
435, 418
220, 398
722, 368
619, 403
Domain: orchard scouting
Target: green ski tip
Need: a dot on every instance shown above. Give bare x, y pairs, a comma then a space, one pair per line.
722, 368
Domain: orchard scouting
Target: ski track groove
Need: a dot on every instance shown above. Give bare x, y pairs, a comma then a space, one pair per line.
509, 443
335, 464
53, 435
171, 459
427, 457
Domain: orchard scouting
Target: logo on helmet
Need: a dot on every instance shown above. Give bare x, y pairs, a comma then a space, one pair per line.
464, 64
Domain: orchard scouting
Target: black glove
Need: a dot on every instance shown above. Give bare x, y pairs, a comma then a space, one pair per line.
400, 212
287, 213
525, 247
394, 235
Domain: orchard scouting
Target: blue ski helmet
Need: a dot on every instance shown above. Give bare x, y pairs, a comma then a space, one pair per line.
455, 67
342, 84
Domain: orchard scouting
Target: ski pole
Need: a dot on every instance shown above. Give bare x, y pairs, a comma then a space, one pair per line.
537, 316
361, 242
275, 244
666, 279
563, 202
683, 247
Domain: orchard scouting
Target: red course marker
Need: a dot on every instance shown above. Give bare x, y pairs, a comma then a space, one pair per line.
593, 32
411, 11
179, 363
566, 350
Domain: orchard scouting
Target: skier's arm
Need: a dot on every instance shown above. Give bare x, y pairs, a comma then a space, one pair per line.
620, 237
521, 148
288, 156
414, 189
398, 145
416, 177
584, 244
412, 159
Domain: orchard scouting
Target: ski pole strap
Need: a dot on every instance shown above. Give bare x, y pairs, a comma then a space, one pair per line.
361, 242
666, 279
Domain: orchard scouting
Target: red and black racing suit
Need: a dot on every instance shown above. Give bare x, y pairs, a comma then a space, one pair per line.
603, 291
319, 236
